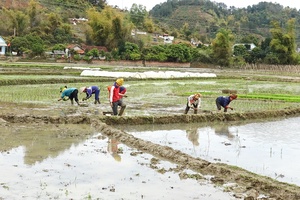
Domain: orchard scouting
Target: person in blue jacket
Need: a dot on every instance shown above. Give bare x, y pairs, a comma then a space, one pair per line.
224, 101
69, 93
89, 91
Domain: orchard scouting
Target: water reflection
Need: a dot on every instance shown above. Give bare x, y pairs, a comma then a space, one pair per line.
193, 136
42, 142
223, 130
113, 149
260, 147
72, 164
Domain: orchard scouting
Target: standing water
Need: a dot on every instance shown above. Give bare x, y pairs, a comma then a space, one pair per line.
265, 148
75, 162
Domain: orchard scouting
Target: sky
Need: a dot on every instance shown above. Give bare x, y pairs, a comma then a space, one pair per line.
236, 3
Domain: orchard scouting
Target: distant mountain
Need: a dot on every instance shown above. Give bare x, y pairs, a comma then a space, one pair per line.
206, 18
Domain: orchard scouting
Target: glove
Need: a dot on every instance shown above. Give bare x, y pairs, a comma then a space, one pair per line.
83, 99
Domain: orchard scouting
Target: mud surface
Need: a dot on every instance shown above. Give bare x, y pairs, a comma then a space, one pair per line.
239, 183
245, 183
67, 161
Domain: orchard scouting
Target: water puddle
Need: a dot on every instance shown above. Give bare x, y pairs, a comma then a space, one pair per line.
266, 148
75, 162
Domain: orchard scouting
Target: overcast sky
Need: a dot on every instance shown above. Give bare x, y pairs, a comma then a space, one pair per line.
237, 3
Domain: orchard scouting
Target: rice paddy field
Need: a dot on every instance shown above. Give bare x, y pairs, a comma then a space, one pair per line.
261, 91
51, 149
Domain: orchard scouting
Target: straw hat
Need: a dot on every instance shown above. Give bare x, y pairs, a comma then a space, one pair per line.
82, 89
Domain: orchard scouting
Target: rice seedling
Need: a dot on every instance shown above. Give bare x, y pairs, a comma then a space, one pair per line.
253, 94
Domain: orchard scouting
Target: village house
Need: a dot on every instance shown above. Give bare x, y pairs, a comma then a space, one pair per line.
167, 39
82, 49
249, 46
3, 46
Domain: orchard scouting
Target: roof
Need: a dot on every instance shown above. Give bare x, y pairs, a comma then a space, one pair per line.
100, 48
82, 48
2, 42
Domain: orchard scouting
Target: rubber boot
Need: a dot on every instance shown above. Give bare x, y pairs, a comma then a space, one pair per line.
97, 101
72, 102
195, 111
122, 110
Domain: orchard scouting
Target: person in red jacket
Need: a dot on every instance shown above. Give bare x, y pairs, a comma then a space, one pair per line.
115, 97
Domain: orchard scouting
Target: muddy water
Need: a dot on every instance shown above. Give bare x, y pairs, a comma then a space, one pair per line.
266, 148
76, 162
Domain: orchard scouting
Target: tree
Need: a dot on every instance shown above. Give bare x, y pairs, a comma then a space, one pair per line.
36, 45
31, 44
179, 53
239, 50
17, 21
108, 28
202, 55
155, 53
19, 45
283, 45
222, 47
130, 51
33, 13
138, 14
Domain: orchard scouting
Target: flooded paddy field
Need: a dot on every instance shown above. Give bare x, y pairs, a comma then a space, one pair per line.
266, 148
77, 162
55, 150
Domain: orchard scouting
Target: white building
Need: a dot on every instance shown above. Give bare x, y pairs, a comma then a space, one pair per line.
249, 46
3, 46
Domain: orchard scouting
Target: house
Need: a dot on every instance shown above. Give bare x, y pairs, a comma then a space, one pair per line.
249, 46
196, 42
3, 46
56, 53
76, 48
167, 39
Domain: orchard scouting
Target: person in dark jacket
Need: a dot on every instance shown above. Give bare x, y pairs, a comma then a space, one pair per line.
224, 101
89, 91
69, 93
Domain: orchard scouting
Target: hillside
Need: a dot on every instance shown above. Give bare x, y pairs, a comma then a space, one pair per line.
201, 18
67, 8
206, 18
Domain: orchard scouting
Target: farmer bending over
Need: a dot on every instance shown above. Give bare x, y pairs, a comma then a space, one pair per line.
193, 102
89, 91
69, 93
224, 102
